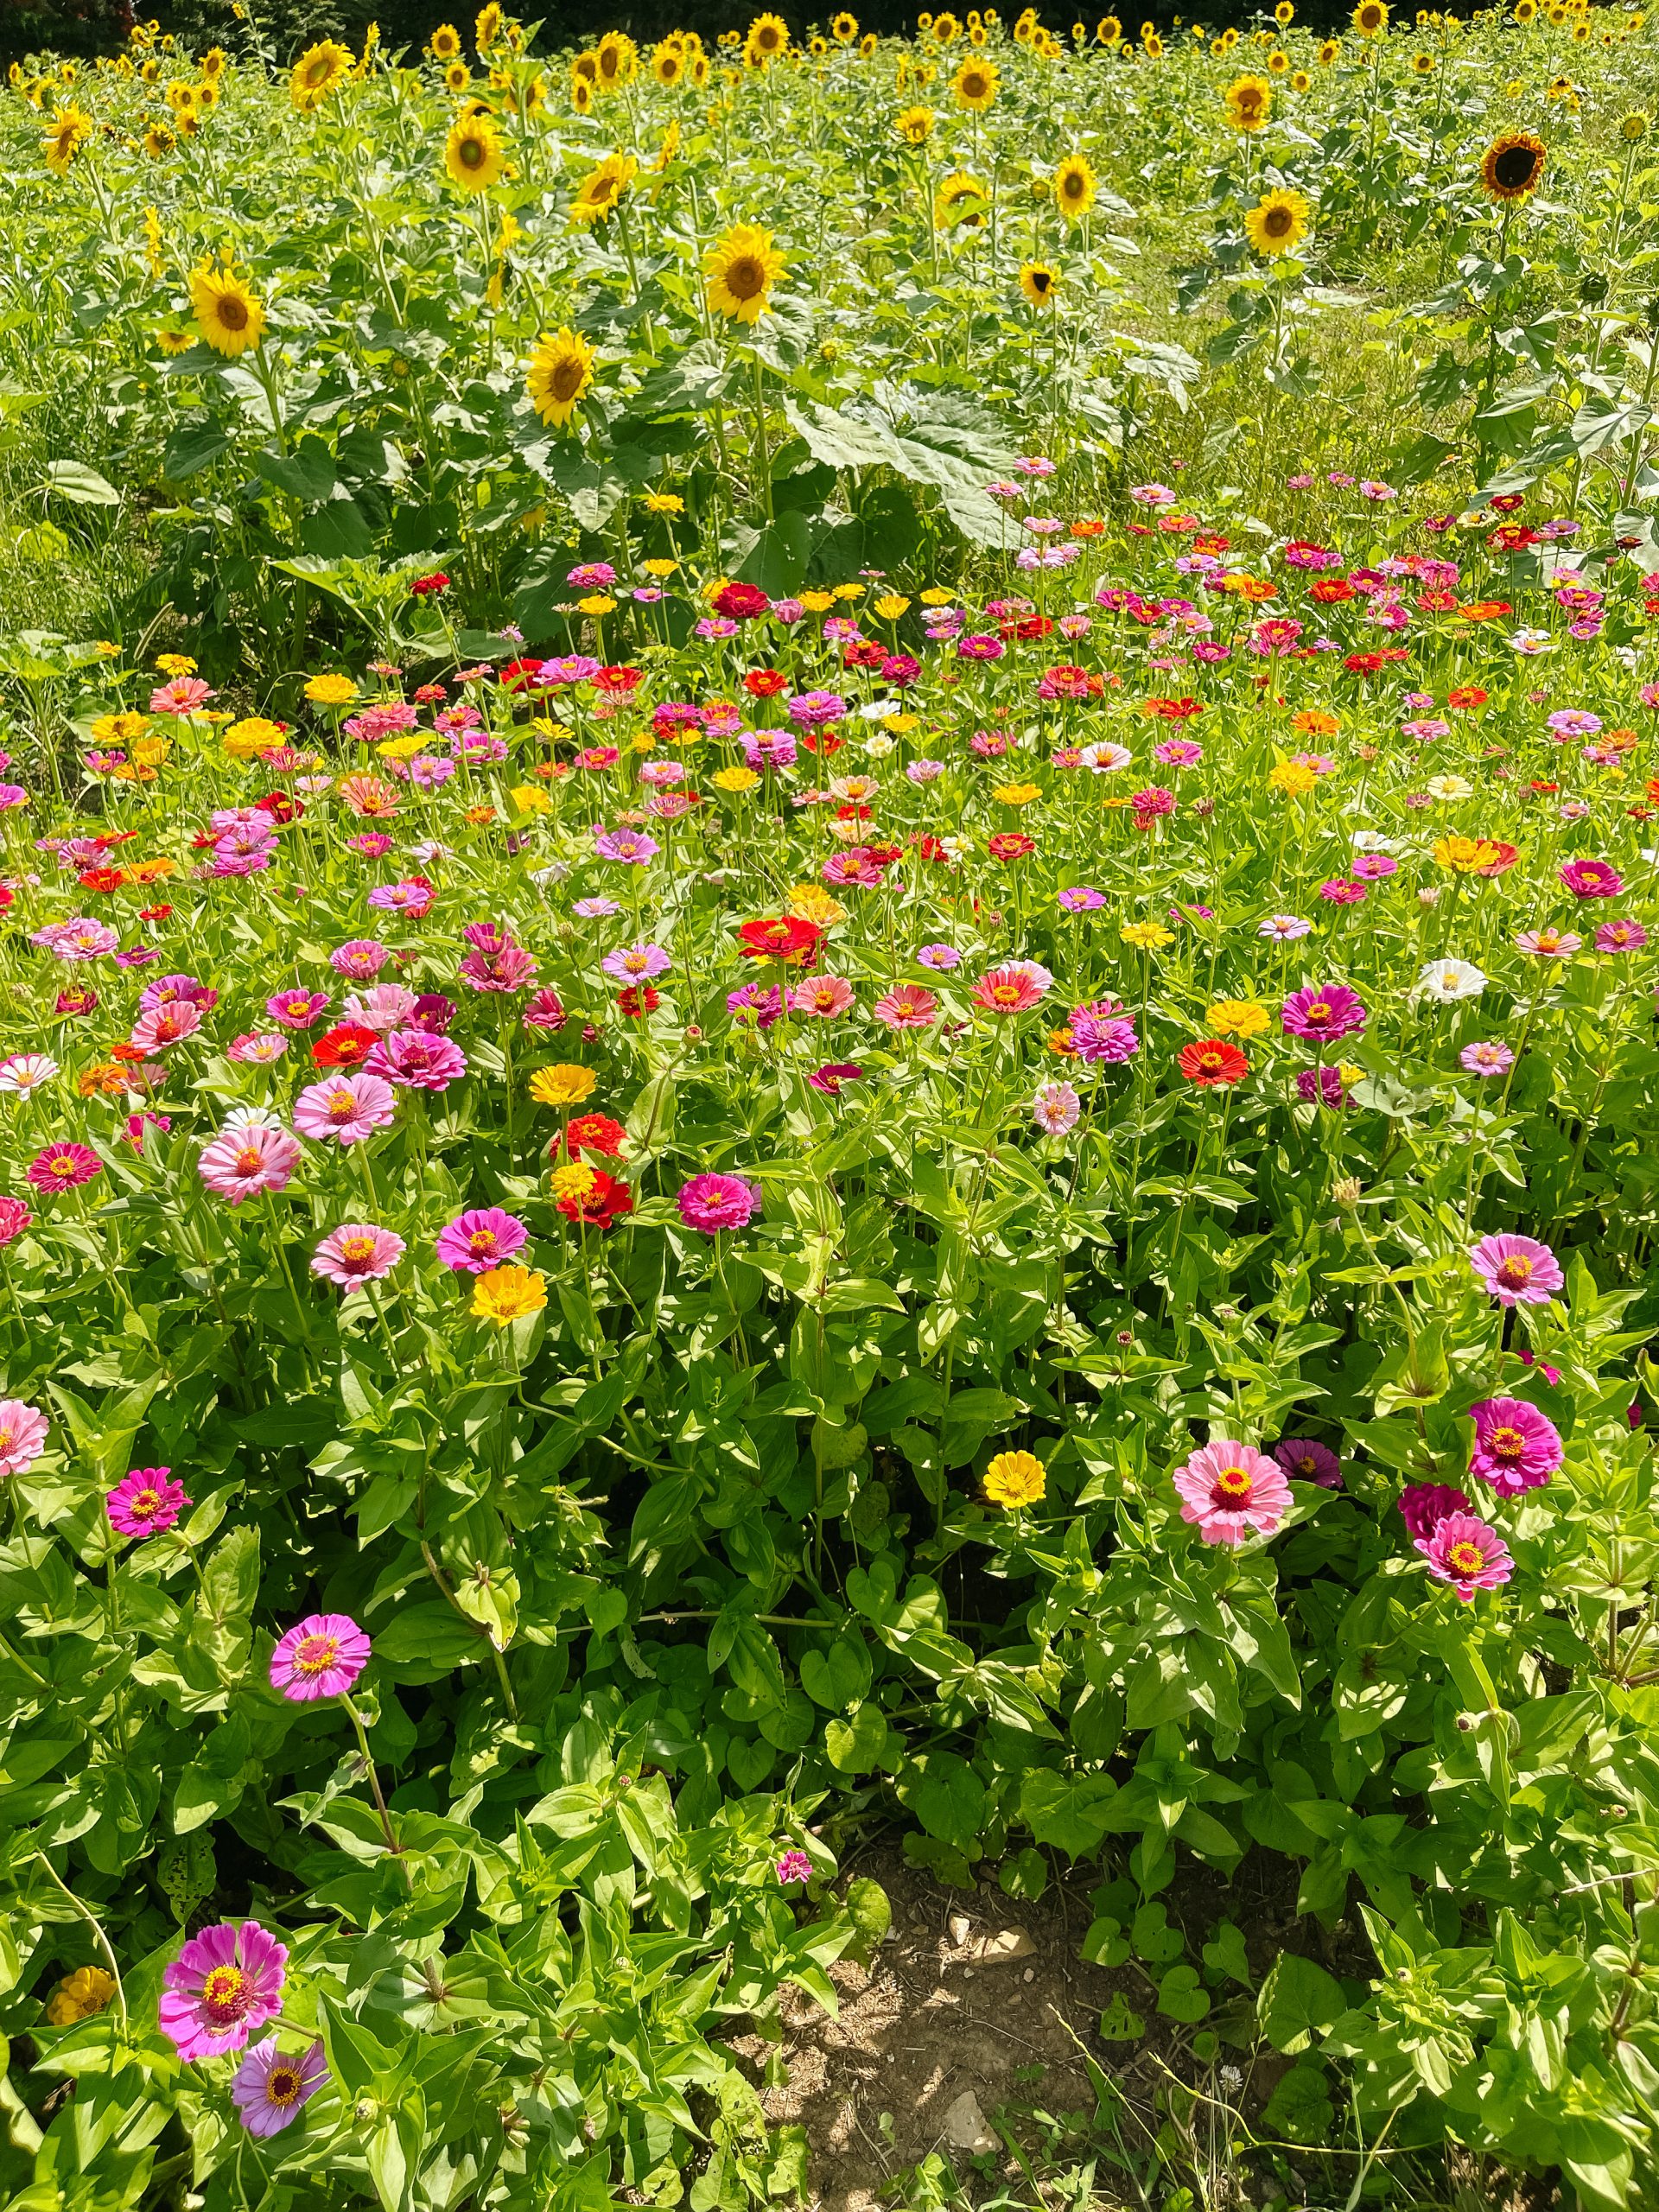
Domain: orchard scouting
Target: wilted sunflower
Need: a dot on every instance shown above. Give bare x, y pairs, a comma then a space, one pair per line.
742, 267
1511, 165
975, 85
444, 45
1075, 187
1039, 280
1370, 17
1249, 103
617, 59
1277, 224
561, 370
843, 28
316, 72
227, 314
69, 130
960, 199
473, 155
915, 125
599, 193
159, 142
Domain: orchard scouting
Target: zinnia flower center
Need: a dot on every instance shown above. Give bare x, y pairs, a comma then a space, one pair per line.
247, 1160
145, 1502
481, 1240
1319, 1012
281, 2085
1233, 1486
1508, 1444
1516, 1273
1466, 1557
342, 1104
314, 1654
357, 1250
224, 1993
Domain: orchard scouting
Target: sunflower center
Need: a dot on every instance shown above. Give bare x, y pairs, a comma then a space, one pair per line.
1233, 1486
471, 153
1514, 167
232, 312
1072, 185
1466, 1557
747, 278
565, 381
1516, 1273
1277, 222
225, 1993
314, 1654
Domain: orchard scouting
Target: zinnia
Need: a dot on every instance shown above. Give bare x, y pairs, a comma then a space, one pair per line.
348, 1107
271, 2086
1465, 1552
321, 1657
145, 1502
1325, 1014
357, 1253
1230, 1490
242, 1162
712, 1202
225, 1983
1517, 1447
1516, 1270
22, 1435
508, 1294
477, 1240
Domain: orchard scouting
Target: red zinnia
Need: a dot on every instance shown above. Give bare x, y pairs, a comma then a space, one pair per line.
103, 878
1328, 591
427, 587
589, 1132
765, 682
740, 602
867, 653
635, 999
617, 681
345, 1045
279, 807
1172, 711
786, 937
1011, 845
1210, 1064
600, 1206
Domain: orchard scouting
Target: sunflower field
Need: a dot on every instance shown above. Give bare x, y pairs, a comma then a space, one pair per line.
829, 895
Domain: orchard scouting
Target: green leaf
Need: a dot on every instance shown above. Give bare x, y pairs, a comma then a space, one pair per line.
73, 480
1297, 1998
1182, 1997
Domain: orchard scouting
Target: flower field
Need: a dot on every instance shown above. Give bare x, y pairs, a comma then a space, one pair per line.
829, 906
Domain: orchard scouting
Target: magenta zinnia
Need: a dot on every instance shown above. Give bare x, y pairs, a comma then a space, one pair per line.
1517, 1447
225, 1983
1326, 1012
271, 2086
1465, 1552
321, 1657
1517, 1270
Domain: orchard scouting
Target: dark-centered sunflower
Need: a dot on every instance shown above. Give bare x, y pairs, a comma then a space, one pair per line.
742, 267
1075, 187
317, 72
228, 315
1278, 223
1511, 165
473, 155
444, 45
1249, 102
1039, 280
561, 370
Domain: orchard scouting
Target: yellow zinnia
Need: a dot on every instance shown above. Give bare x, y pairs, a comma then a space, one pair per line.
1237, 1018
508, 1294
1013, 1479
564, 1083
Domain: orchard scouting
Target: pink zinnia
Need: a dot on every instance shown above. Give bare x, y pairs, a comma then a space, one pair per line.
1330, 1012
1230, 1489
1465, 1552
1423, 1506
1517, 1447
477, 1240
1102, 1032
62, 1168
712, 1202
158, 1026
1007, 990
242, 1162
1621, 937
271, 2086
355, 1253
321, 1657
15, 1217
145, 1500
347, 1107
181, 696
822, 997
417, 1059
22, 1434
1516, 1270
225, 1983
545, 1010
297, 1009
1592, 880
907, 1006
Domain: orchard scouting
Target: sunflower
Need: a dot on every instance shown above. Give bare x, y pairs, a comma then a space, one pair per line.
1039, 280
698, 71
1525, 10
915, 125
213, 64
457, 77
473, 155
316, 72
1228, 40
1108, 30
159, 142
173, 341
960, 199
1370, 17
1278, 62
69, 130
1329, 51
1278, 223
975, 85
668, 62
599, 193
1150, 45
742, 267
1284, 13
585, 68
1301, 82
488, 29
1511, 165
1075, 187
227, 314
207, 93
1633, 127
1249, 103
179, 96
946, 29
561, 370
768, 38
617, 59
843, 28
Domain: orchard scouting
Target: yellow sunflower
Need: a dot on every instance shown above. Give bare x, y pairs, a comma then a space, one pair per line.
228, 315
1511, 165
1248, 102
488, 29
1075, 187
159, 142
473, 155
959, 200
444, 45
173, 341
1039, 280
1277, 224
742, 267
915, 125
457, 77
1330, 51
581, 95
561, 370
843, 28
599, 193
975, 85
207, 93
70, 129
213, 64
316, 72
1370, 17
668, 62
617, 61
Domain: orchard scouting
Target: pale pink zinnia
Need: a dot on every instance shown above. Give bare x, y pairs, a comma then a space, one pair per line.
321, 1657
1007, 990
907, 1006
158, 1026
1516, 1270
22, 1435
242, 1162
348, 1107
1229, 1489
355, 1253
822, 997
